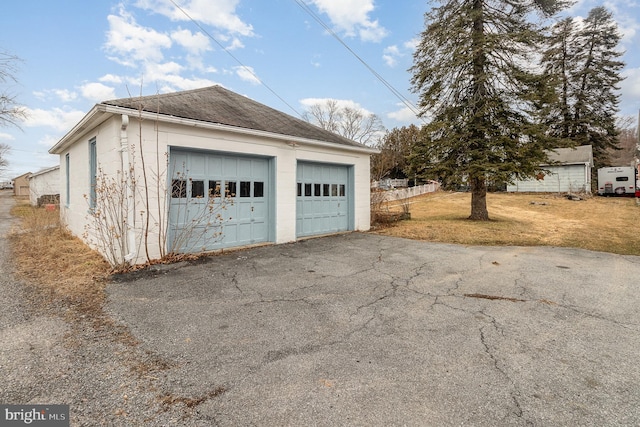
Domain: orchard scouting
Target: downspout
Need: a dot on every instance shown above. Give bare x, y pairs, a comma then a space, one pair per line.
128, 190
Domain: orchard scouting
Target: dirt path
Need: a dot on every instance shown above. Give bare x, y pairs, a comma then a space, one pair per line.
51, 354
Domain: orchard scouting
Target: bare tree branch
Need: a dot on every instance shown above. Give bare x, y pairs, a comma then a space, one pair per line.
11, 112
352, 123
4, 151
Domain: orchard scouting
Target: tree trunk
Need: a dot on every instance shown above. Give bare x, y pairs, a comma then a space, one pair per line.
479, 200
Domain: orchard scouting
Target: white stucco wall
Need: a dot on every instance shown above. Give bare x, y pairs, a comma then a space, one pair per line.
561, 179
44, 183
152, 142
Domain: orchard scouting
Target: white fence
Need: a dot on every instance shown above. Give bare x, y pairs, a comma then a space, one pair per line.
389, 183
405, 193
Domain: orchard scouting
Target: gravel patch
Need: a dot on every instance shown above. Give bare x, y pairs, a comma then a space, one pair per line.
53, 353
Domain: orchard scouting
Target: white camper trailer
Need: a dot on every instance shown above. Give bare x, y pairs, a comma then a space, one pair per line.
617, 181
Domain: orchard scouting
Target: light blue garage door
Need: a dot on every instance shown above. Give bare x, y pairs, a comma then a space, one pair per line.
199, 220
323, 200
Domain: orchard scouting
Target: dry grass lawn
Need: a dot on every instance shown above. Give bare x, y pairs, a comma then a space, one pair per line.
597, 223
57, 263
66, 269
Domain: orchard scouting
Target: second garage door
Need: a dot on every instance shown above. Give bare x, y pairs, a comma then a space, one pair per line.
323, 199
200, 180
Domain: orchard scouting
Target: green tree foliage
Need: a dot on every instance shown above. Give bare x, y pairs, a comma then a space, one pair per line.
470, 71
581, 64
395, 147
558, 61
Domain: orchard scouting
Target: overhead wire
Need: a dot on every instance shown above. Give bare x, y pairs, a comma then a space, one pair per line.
246, 68
406, 102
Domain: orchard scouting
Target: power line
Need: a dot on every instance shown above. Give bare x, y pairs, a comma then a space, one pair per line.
407, 103
247, 69
388, 85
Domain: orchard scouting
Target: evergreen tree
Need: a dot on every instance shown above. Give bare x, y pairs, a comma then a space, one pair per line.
395, 147
559, 65
596, 84
581, 64
471, 75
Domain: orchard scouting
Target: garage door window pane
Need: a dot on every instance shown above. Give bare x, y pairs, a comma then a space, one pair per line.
214, 188
197, 189
178, 189
316, 190
230, 188
307, 190
245, 188
334, 190
342, 192
299, 189
325, 190
258, 189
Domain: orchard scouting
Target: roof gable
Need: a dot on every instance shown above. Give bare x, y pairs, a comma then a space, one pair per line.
569, 156
216, 104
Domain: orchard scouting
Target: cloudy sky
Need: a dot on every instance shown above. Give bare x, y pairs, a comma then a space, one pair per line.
76, 53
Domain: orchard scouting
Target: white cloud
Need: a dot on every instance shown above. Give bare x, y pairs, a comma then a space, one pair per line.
41, 95
341, 103
97, 92
110, 78
157, 71
352, 17
630, 90
391, 55
174, 82
372, 32
404, 115
59, 119
220, 14
48, 141
129, 43
6, 136
235, 44
167, 77
247, 74
412, 44
65, 95
194, 43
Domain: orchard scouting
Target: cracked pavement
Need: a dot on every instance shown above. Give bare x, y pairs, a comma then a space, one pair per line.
360, 329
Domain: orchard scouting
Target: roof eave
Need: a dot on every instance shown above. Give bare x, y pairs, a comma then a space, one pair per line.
89, 121
92, 118
291, 140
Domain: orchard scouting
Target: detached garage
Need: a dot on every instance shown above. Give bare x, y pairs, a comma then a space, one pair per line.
204, 170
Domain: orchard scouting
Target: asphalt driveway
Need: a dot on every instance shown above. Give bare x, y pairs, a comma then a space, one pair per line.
361, 329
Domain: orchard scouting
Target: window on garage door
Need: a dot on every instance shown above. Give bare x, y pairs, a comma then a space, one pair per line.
322, 199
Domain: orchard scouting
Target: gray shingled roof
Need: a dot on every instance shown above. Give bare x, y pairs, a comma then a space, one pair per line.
569, 156
216, 104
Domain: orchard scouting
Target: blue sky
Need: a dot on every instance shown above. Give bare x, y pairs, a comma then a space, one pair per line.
77, 53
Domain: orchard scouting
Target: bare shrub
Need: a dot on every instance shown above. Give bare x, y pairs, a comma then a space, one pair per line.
202, 217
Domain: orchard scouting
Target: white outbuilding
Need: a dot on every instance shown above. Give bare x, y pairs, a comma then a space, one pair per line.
569, 171
44, 186
202, 170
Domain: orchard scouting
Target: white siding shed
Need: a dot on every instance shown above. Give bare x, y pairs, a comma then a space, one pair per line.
568, 172
44, 183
